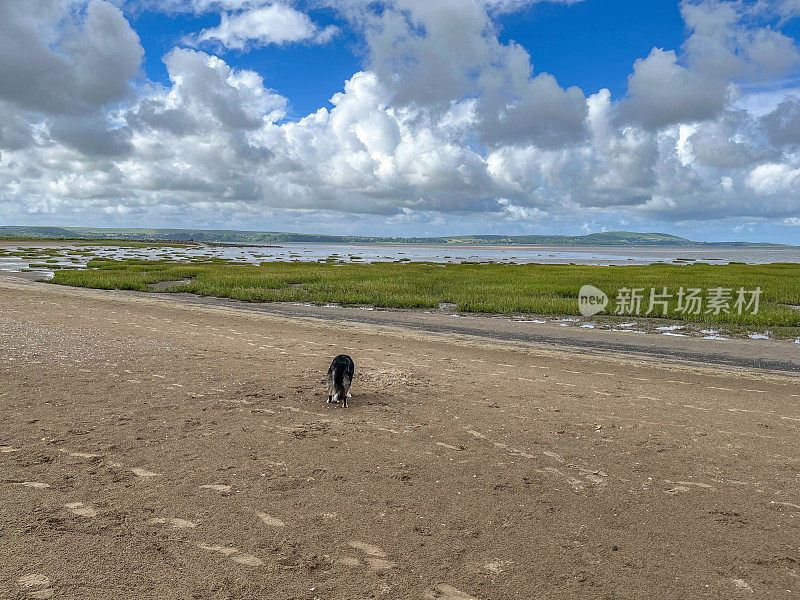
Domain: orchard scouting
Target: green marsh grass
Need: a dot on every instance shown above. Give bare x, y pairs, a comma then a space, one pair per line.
472, 287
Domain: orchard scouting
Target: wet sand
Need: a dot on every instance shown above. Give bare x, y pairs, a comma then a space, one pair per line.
152, 447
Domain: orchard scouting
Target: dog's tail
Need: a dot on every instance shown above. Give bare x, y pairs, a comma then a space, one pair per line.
339, 381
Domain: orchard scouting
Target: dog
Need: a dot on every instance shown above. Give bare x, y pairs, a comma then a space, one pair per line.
340, 376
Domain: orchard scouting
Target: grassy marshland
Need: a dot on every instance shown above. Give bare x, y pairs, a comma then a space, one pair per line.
484, 288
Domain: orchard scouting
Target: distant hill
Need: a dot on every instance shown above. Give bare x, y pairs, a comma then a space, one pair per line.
607, 238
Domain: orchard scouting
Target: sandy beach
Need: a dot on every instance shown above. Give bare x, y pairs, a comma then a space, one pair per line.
157, 448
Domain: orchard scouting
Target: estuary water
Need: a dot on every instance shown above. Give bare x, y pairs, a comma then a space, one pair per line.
39, 256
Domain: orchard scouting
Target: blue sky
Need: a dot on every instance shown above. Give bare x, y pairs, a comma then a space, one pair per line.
404, 117
591, 45
308, 75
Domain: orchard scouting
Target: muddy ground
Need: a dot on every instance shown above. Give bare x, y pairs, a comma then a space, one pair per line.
152, 448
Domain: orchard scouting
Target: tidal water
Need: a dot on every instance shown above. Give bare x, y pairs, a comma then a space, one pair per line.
373, 253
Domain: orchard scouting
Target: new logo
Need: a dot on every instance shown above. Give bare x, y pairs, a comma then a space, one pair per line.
591, 300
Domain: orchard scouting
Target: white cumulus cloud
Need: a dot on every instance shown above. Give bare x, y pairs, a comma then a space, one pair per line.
274, 24
445, 125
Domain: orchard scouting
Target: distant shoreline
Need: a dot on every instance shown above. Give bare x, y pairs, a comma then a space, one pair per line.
703, 246
698, 246
618, 239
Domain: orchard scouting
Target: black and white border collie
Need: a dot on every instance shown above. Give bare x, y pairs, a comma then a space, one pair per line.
340, 376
